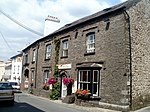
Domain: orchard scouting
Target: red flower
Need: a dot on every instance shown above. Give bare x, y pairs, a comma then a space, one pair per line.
52, 81
82, 92
67, 81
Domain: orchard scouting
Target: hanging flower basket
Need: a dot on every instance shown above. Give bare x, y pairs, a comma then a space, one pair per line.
68, 81
52, 81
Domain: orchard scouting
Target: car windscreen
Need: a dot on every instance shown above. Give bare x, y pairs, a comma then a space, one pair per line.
5, 86
14, 83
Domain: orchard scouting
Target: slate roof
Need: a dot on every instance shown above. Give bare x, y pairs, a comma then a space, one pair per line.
122, 6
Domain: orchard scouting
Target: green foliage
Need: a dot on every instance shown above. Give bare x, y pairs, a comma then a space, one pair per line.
57, 47
55, 93
55, 72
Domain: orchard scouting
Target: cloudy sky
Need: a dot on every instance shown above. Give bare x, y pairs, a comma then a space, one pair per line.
32, 14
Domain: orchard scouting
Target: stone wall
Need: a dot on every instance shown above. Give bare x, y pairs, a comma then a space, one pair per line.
140, 34
110, 48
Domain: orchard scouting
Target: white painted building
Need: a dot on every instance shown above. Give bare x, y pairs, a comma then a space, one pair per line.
2, 69
7, 71
16, 68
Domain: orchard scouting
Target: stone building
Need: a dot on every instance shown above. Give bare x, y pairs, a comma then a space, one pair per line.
106, 53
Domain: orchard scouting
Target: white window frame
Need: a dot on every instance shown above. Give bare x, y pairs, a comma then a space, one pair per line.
18, 68
97, 83
83, 82
90, 42
64, 48
14, 69
80, 72
32, 76
48, 51
46, 76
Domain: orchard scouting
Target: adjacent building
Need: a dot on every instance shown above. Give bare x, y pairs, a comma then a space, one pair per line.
2, 70
8, 68
16, 68
107, 53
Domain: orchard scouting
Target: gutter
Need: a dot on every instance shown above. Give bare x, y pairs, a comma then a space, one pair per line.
130, 48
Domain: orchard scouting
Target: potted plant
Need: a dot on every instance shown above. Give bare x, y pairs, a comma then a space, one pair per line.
83, 94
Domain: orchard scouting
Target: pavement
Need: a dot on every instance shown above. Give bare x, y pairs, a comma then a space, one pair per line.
145, 109
90, 109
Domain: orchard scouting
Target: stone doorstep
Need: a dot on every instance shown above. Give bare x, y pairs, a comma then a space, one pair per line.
110, 106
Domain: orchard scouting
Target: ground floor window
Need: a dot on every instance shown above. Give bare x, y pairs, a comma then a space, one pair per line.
46, 76
89, 80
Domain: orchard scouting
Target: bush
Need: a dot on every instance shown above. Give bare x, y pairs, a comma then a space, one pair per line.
55, 93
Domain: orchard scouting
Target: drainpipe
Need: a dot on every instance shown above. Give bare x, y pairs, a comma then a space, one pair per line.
36, 66
130, 48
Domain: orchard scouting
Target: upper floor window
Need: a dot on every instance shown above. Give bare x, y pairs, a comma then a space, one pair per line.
34, 54
18, 69
48, 51
65, 48
26, 58
14, 69
90, 42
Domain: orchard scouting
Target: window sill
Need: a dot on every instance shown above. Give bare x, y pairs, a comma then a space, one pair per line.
90, 53
95, 98
26, 64
64, 57
33, 62
47, 59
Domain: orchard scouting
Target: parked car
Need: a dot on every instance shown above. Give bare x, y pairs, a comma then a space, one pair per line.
15, 86
6, 93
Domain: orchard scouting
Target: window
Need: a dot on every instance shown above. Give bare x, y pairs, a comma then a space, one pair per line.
19, 59
34, 54
48, 51
89, 80
32, 76
26, 58
18, 69
14, 69
46, 76
90, 43
65, 48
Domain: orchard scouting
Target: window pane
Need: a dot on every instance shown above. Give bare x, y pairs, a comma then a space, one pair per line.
95, 76
84, 76
95, 88
48, 51
65, 48
89, 87
89, 76
85, 86
46, 76
91, 43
